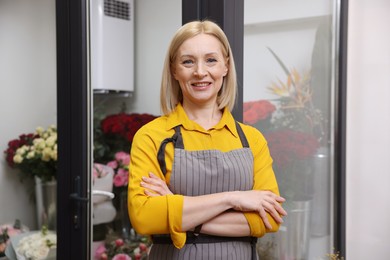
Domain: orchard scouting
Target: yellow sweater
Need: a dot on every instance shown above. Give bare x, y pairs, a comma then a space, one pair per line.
163, 214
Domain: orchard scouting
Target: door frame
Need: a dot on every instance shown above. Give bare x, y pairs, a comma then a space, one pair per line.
74, 115
74, 147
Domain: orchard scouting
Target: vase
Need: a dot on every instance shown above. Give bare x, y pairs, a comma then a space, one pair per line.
46, 203
298, 229
125, 225
320, 219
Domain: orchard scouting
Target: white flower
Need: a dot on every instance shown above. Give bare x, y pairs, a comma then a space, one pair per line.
51, 140
39, 143
54, 155
18, 158
35, 246
30, 155
40, 253
137, 251
39, 130
22, 150
46, 154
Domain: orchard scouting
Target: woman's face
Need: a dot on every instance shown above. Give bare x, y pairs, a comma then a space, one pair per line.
199, 68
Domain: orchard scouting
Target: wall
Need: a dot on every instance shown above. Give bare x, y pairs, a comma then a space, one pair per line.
368, 130
28, 90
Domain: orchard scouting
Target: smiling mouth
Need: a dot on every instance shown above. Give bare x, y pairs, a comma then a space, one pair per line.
201, 84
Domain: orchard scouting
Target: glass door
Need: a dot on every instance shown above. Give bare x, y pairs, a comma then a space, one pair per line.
97, 122
128, 42
290, 95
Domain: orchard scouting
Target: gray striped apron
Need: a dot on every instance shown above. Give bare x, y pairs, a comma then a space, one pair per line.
203, 172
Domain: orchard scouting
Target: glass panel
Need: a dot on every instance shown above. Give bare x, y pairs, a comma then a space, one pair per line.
127, 55
289, 56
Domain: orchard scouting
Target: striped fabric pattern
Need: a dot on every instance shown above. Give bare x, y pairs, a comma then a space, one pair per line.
205, 172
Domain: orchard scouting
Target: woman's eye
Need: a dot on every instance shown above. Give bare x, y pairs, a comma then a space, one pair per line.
210, 60
187, 62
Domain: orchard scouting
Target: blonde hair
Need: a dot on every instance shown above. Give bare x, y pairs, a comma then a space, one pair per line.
171, 94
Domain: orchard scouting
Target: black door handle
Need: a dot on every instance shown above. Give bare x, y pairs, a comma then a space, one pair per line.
76, 196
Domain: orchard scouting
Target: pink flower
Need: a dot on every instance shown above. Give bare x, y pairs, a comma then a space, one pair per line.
121, 257
123, 158
120, 180
100, 250
123, 172
113, 164
119, 242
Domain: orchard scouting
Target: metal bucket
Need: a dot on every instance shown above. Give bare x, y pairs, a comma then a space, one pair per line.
298, 229
46, 203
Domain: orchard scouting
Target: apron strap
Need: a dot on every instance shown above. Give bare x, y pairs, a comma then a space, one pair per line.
177, 141
242, 136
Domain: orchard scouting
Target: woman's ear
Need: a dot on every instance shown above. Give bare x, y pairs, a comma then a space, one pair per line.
226, 67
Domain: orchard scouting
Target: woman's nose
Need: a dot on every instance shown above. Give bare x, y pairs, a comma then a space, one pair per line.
200, 71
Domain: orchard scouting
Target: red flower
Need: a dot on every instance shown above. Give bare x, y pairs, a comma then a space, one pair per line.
143, 247
13, 145
287, 145
125, 125
119, 242
255, 111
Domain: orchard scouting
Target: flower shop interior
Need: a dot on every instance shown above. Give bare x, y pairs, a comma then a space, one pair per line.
307, 71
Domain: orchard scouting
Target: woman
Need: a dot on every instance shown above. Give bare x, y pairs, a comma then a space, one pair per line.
201, 184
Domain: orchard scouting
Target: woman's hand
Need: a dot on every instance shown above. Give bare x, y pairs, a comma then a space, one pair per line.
155, 186
261, 202
244, 201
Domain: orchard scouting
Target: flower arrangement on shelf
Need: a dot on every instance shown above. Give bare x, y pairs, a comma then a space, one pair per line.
35, 154
293, 128
116, 248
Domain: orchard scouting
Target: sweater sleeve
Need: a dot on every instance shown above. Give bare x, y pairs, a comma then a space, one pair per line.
264, 179
152, 215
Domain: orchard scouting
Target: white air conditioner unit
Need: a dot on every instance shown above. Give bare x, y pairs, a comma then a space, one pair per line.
112, 46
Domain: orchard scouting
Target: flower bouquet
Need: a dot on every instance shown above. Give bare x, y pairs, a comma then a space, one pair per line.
35, 154
115, 133
37, 245
293, 128
116, 248
259, 114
